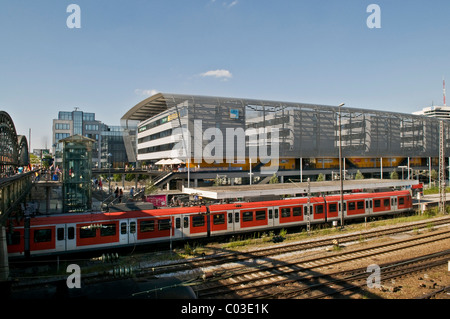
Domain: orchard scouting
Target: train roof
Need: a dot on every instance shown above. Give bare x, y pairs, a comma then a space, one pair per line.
99, 216
163, 212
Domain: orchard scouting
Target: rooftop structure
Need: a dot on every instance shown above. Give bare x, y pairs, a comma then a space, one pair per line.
439, 112
248, 191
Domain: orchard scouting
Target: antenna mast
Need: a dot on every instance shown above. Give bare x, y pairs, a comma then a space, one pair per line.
443, 82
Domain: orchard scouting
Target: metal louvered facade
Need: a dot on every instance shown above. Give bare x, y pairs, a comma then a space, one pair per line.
304, 130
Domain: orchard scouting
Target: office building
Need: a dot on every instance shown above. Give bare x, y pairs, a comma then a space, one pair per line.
108, 149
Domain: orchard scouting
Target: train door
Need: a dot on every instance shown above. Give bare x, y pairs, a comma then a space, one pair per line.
123, 233
176, 227
394, 203
60, 244
132, 231
71, 237
369, 206
273, 216
236, 220
184, 223
127, 234
230, 223
308, 213
344, 212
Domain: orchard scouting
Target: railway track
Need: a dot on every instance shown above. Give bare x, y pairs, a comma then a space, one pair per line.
290, 279
258, 255
229, 257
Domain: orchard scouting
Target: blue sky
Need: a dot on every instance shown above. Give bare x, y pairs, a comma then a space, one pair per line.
297, 51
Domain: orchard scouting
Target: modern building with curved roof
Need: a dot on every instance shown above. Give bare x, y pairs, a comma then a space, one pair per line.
210, 130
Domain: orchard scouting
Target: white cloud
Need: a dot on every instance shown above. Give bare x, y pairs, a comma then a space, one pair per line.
232, 4
223, 74
145, 92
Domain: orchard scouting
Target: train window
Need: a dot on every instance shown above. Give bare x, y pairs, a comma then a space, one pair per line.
260, 215
360, 205
401, 201
377, 203
147, 225
386, 202
285, 212
305, 211
198, 221
14, 239
108, 230
60, 233
219, 219
270, 214
177, 223
164, 224
71, 233
319, 209
132, 227
186, 222
276, 212
297, 211
351, 206
247, 216
236, 217
123, 228
332, 208
87, 232
42, 235
230, 218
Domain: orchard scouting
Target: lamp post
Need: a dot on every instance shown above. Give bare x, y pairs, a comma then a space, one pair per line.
109, 172
340, 168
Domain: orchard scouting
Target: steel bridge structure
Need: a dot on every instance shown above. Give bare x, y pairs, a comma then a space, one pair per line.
15, 183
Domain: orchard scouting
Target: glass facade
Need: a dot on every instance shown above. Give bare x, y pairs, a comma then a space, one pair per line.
107, 139
304, 130
112, 143
77, 172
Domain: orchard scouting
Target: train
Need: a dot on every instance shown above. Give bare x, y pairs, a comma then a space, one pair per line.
73, 233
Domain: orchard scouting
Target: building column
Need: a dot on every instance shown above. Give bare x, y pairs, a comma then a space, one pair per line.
381, 167
4, 266
301, 169
429, 171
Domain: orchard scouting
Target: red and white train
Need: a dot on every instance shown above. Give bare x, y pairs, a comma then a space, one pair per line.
57, 234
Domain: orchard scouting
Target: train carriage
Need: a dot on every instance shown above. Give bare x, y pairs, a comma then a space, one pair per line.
80, 232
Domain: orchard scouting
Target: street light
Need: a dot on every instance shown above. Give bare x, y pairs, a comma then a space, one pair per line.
109, 172
340, 168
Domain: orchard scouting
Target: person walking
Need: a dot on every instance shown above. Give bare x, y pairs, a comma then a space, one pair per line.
120, 195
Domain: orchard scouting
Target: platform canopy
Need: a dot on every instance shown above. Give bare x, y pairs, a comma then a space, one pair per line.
246, 191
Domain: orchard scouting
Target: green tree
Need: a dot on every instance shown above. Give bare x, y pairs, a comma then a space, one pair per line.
321, 177
359, 175
434, 175
273, 179
394, 175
